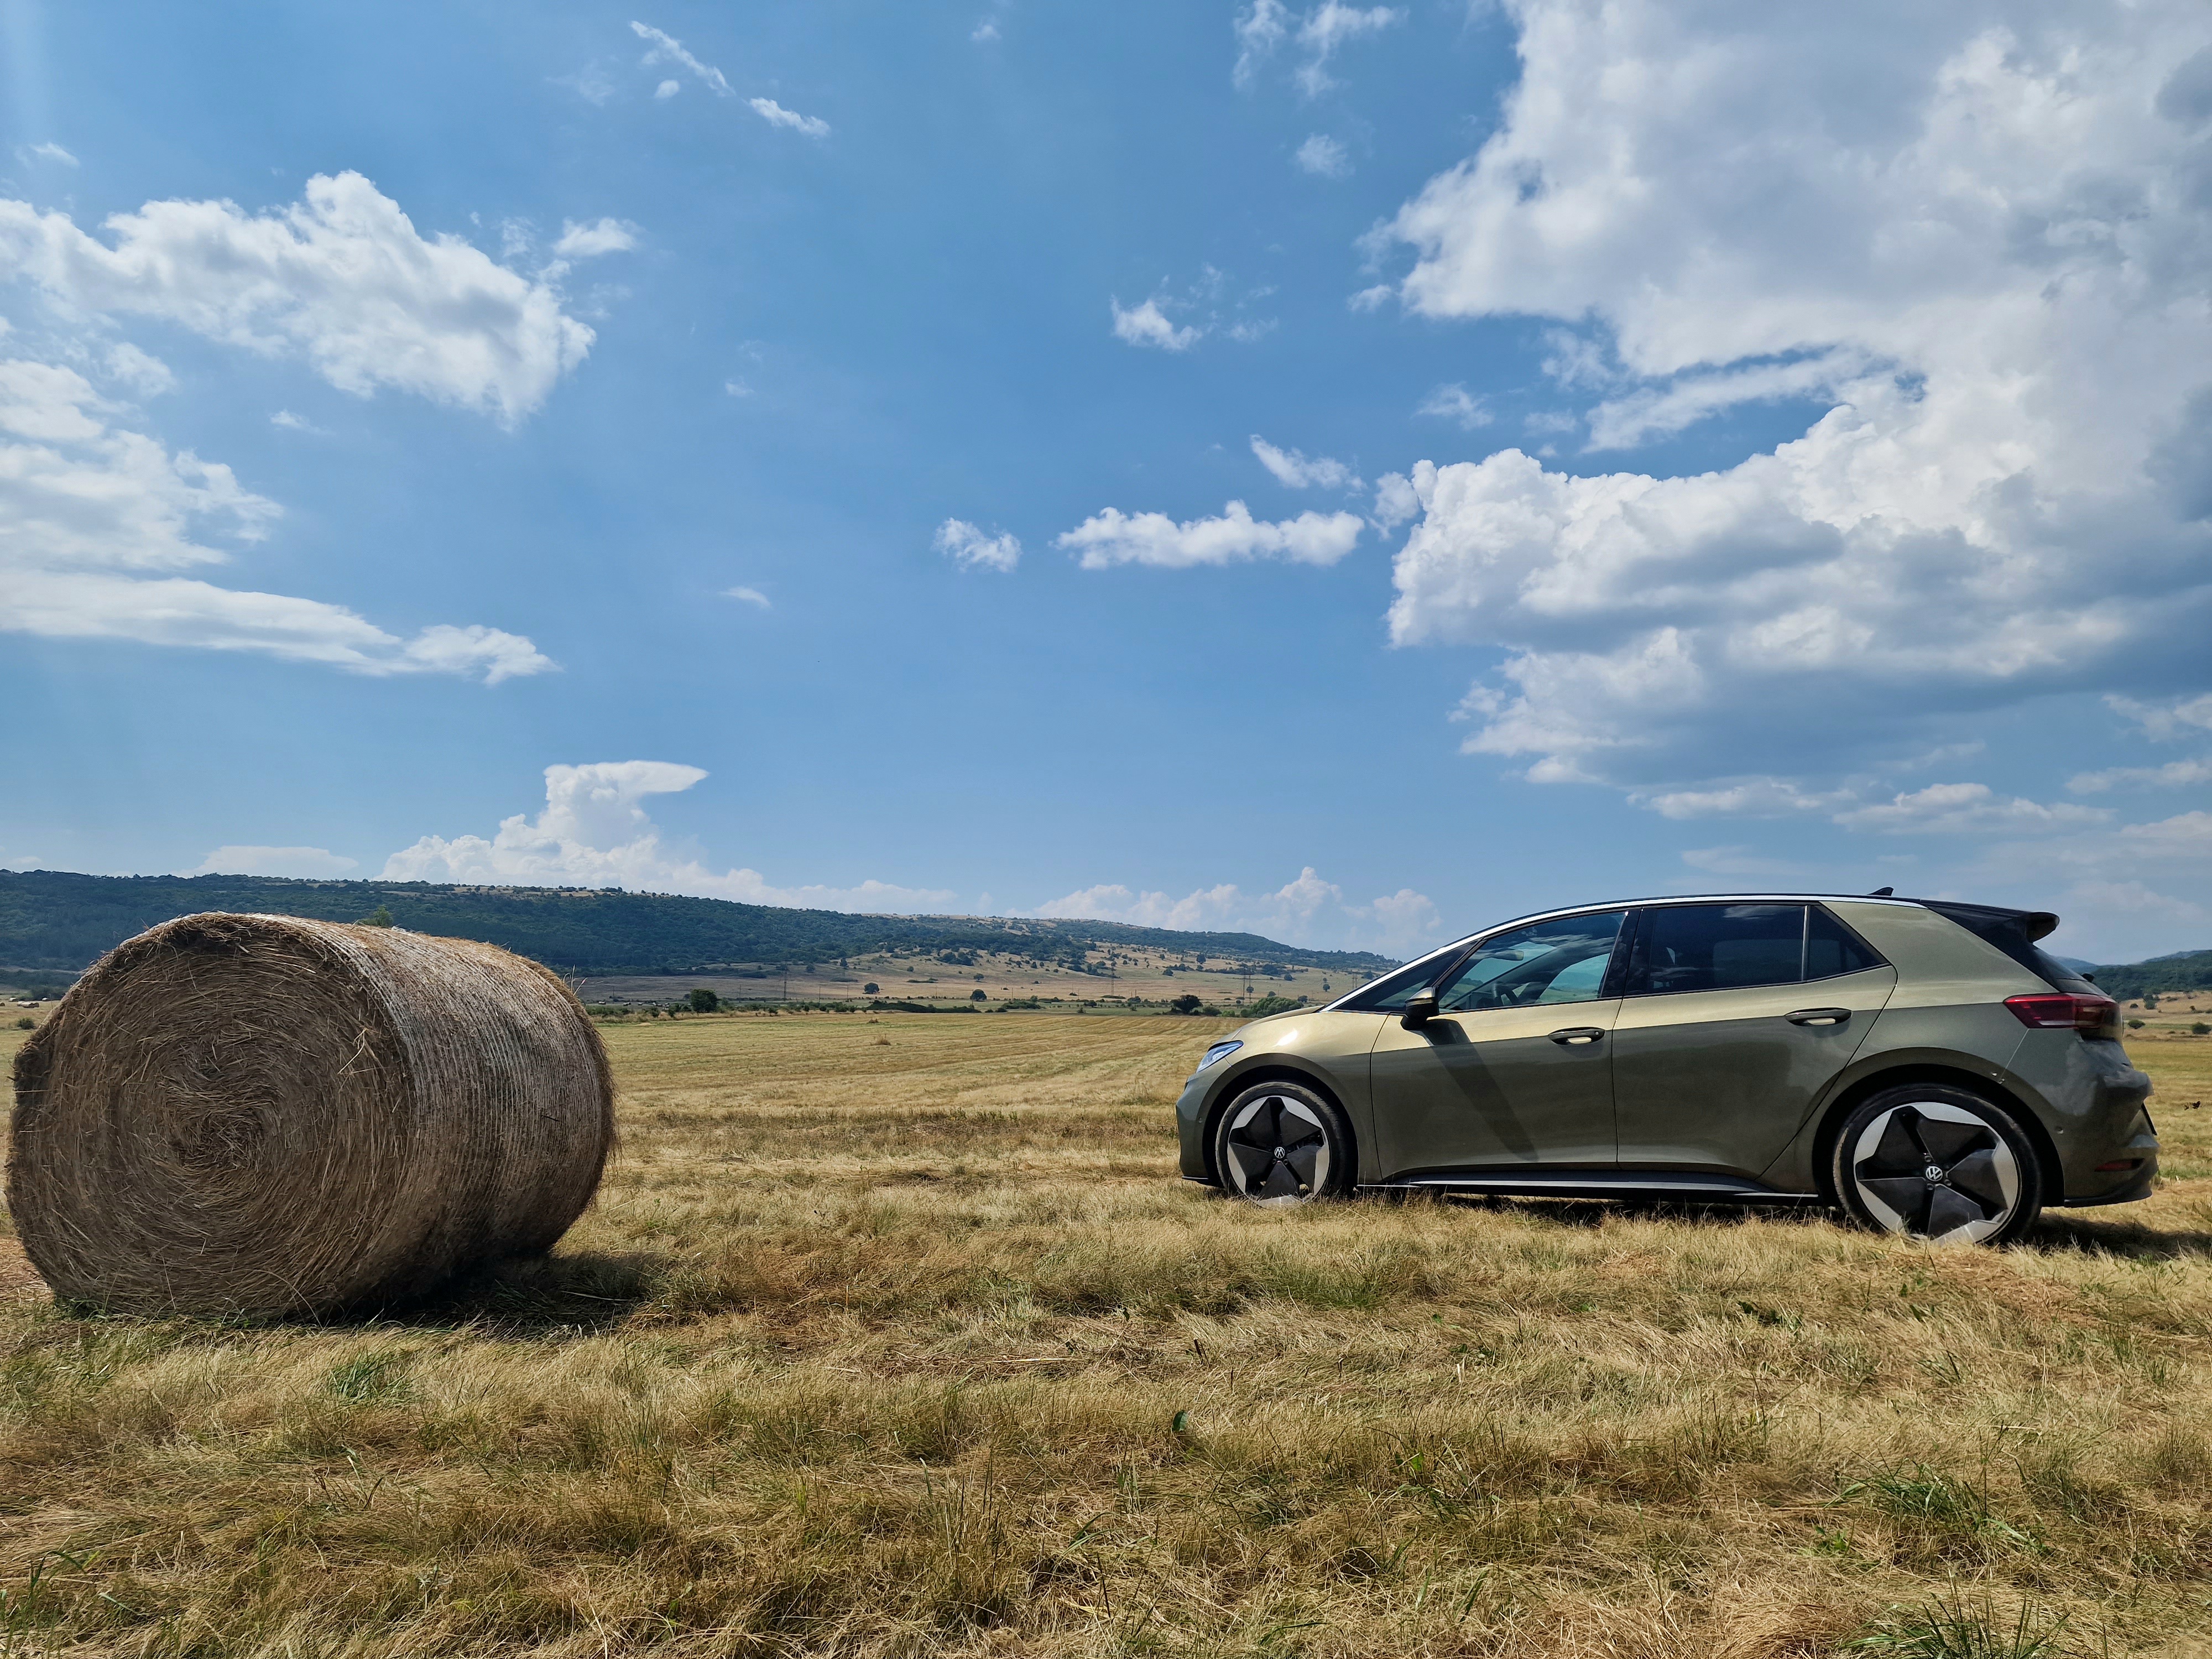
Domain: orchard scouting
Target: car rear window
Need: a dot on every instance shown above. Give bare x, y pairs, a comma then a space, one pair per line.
2014, 932
1831, 948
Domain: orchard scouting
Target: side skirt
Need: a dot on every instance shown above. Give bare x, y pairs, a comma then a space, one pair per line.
1688, 1187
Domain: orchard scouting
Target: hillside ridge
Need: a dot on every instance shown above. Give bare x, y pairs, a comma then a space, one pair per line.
62, 921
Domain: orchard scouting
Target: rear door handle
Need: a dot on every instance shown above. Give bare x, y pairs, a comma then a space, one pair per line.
1576, 1035
1818, 1017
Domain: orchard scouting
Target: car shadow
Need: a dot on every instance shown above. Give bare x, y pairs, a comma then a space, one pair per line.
2059, 1233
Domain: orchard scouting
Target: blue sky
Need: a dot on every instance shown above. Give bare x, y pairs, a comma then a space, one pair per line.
792, 453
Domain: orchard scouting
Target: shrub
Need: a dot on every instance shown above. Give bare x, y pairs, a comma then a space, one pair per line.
379, 917
25, 1024
870, 989
703, 1001
1185, 1004
2135, 1025
977, 996
2200, 1029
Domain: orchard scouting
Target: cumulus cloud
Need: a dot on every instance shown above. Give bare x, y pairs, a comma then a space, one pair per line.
1146, 324
1324, 157
48, 151
967, 546
1457, 403
751, 596
1112, 538
664, 48
140, 373
668, 88
1395, 501
342, 278
1260, 29
777, 116
594, 833
291, 423
586, 242
306, 863
1307, 911
1979, 231
96, 518
1291, 468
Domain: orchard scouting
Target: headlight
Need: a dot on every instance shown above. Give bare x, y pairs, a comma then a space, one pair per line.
1219, 1051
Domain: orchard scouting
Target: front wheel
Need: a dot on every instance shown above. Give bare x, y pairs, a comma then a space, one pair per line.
1282, 1144
1930, 1161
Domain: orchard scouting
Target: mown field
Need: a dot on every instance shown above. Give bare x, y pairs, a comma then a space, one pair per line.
901, 1337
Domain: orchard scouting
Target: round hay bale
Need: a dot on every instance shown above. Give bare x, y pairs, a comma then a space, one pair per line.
235, 1113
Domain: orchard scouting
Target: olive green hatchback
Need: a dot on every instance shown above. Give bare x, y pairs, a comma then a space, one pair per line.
1920, 1065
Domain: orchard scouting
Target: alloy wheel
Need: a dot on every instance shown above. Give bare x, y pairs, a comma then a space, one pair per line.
1278, 1150
1929, 1170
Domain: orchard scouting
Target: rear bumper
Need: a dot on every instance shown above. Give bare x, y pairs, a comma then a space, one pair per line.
2097, 1116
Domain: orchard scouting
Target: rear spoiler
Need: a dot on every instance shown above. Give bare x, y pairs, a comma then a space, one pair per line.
2013, 932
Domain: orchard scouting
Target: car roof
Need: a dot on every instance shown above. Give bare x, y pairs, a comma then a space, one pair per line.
2035, 923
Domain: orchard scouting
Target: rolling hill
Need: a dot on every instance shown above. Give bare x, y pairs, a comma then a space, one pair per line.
56, 922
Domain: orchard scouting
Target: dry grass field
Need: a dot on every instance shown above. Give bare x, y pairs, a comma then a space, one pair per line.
901, 1337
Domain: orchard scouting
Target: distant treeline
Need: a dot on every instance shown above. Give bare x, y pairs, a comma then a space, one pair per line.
2187, 970
59, 921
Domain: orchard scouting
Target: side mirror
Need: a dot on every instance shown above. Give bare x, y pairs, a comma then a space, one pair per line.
1419, 1010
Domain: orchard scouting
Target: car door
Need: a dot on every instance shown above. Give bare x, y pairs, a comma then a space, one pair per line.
1513, 1068
1734, 1018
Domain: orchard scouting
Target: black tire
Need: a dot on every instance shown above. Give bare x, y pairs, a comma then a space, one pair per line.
1282, 1144
1943, 1164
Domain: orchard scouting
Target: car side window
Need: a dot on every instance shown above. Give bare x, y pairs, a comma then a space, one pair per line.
1548, 962
1831, 948
1718, 947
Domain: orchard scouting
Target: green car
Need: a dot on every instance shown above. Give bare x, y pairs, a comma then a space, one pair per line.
1920, 1065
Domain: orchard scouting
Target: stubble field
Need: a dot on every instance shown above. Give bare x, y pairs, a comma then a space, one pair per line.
901, 1337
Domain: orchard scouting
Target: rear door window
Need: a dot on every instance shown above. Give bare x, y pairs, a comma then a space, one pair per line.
1718, 947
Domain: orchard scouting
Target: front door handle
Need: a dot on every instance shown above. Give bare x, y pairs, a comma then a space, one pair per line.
1818, 1017
1576, 1036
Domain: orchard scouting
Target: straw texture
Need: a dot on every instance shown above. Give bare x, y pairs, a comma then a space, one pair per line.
242, 1113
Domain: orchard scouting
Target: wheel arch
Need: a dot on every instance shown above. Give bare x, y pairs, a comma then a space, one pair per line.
1274, 1072
1955, 1077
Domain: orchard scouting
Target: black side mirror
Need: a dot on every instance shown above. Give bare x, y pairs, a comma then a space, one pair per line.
1419, 1010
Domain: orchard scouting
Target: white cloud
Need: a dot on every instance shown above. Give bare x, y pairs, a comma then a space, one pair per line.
1395, 501
967, 545
1954, 808
1324, 157
1292, 468
1455, 403
986, 30
593, 833
737, 389
668, 89
48, 151
1660, 412
140, 373
291, 423
1148, 326
587, 241
1999, 209
1307, 911
2167, 719
306, 863
1259, 31
1111, 538
2171, 775
664, 48
747, 596
2188, 835
1756, 798
96, 520
1329, 26
777, 116
341, 277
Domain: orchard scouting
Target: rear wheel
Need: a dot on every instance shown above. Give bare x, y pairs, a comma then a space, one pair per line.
1931, 1161
1282, 1144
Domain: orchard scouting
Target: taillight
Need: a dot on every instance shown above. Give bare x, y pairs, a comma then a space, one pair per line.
2049, 1010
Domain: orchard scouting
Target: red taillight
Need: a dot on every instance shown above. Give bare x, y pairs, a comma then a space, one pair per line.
2055, 1010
